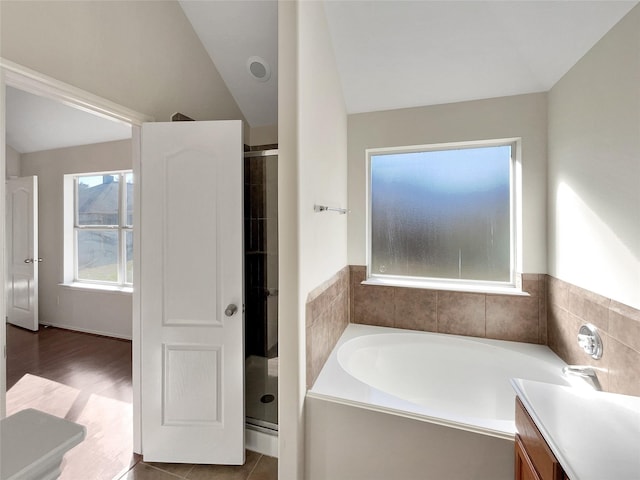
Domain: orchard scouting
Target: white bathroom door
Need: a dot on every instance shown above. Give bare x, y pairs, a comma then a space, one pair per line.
191, 297
22, 252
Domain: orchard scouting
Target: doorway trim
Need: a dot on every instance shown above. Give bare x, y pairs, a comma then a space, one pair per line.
23, 78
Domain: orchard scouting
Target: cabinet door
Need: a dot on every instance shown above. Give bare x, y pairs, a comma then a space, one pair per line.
524, 467
535, 446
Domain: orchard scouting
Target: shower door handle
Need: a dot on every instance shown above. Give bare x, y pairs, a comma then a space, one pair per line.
231, 310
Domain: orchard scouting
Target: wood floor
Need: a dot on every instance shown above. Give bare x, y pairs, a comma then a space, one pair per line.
87, 379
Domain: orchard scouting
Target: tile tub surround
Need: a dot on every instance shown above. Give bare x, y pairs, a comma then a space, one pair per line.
569, 307
502, 317
327, 315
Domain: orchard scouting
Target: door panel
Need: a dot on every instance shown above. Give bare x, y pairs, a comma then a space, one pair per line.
22, 252
191, 252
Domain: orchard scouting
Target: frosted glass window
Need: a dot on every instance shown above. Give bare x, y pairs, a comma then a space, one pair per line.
442, 214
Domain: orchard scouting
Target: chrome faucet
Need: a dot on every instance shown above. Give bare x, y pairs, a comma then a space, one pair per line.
585, 372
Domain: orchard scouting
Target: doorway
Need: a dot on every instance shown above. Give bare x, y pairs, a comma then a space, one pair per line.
18, 77
62, 367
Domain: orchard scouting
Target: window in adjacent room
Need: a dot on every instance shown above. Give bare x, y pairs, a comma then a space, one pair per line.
443, 214
102, 237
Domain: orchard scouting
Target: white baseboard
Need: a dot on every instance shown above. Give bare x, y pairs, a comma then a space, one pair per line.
86, 330
264, 443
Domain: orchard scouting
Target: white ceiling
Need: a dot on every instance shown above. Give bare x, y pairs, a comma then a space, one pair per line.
232, 32
390, 54
35, 123
395, 54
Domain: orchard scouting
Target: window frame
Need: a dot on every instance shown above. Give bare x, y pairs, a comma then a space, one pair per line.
514, 284
122, 228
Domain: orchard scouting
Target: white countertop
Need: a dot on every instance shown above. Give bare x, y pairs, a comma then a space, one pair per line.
594, 435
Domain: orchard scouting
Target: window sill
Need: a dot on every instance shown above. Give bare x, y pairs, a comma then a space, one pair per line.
95, 287
443, 286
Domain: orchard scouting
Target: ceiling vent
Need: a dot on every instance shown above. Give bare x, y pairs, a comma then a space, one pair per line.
259, 69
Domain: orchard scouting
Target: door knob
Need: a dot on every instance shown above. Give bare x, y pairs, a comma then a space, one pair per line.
231, 310
32, 260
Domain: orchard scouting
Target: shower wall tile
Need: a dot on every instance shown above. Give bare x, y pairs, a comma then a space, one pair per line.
374, 305
557, 293
416, 309
624, 324
508, 317
461, 313
550, 314
513, 318
357, 275
569, 307
327, 315
543, 312
624, 369
532, 284
589, 306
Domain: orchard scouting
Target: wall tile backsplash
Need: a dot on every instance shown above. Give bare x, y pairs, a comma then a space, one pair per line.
619, 326
327, 315
505, 317
550, 315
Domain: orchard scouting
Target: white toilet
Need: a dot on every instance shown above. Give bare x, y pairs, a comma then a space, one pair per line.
32, 444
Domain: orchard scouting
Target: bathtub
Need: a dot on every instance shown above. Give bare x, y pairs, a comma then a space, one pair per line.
400, 404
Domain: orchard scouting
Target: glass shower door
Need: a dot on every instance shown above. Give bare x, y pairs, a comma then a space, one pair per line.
261, 288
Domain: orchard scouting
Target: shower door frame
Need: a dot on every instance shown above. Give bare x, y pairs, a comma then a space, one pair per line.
261, 425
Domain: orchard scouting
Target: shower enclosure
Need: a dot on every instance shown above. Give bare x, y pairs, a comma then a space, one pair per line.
261, 288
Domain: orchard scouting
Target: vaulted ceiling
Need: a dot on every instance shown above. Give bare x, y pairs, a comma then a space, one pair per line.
389, 54
395, 54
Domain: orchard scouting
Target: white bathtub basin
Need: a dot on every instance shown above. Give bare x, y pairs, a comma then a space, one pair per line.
450, 380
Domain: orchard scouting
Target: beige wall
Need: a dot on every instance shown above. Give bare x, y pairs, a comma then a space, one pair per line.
518, 116
90, 311
313, 169
290, 332
12, 162
266, 135
142, 55
594, 168
322, 131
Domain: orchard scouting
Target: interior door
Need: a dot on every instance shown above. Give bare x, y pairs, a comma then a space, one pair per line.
22, 252
191, 301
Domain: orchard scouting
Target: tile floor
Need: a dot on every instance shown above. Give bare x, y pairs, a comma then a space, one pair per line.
256, 467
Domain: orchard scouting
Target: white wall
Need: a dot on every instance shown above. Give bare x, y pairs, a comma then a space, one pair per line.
141, 55
291, 380
108, 313
13, 162
518, 116
265, 135
594, 168
312, 169
322, 136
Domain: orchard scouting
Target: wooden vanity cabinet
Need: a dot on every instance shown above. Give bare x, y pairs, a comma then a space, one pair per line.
534, 460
